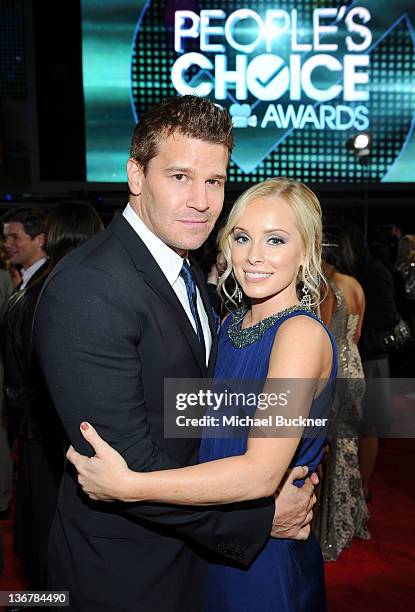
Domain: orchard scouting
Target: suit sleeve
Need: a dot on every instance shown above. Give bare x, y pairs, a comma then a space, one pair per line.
87, 340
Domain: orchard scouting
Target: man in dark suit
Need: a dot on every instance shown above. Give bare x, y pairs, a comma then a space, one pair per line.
116, 317
23, 231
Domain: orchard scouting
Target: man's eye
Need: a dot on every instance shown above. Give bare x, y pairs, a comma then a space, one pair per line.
179, 177
213, 182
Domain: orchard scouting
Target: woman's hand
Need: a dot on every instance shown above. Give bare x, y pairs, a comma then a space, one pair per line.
104, 477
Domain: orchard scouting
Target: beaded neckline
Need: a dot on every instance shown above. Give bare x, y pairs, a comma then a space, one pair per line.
243, 337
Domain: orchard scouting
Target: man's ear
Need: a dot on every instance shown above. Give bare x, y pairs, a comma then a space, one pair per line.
41, 240
135, 176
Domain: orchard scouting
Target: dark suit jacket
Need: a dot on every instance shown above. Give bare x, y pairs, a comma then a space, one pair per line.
108, 329
17, 324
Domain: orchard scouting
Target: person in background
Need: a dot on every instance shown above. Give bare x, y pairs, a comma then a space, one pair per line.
405, 265
39, 434
343, 512
400, 359
381, 315
24, 240
6, 464
395, 233
216, 268
6, 264
206, 258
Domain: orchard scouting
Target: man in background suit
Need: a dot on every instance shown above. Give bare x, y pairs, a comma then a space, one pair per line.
116, 317
6, 465
24, 239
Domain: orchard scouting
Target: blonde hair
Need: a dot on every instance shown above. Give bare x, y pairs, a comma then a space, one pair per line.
406, 249
307, 210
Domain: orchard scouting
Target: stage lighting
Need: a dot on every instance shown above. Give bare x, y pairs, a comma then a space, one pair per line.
359, 145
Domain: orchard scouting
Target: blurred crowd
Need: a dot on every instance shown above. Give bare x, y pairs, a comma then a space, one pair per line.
368, 302
31, 438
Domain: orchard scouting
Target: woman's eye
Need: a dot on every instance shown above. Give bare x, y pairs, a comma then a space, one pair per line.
276, 240
241, 239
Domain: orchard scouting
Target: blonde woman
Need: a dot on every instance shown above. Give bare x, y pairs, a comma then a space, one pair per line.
272, 246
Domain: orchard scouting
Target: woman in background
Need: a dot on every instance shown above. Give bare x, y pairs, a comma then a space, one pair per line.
343, 512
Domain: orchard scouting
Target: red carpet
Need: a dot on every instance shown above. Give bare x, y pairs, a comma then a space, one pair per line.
12, 579
379, 574
375, 575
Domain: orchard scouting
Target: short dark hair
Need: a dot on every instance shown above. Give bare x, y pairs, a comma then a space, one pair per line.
32, 219
68, 225
189, 115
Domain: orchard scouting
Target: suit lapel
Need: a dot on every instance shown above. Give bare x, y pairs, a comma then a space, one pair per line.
38, 274
155, 279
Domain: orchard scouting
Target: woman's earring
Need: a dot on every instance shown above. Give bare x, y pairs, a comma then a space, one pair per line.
306, 299
238, 294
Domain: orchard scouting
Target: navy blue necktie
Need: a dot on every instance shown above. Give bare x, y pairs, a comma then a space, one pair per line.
187, 276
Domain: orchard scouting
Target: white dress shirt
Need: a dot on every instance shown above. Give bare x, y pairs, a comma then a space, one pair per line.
29, 272
170, 264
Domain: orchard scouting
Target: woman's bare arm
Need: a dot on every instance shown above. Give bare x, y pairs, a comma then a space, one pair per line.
304, 352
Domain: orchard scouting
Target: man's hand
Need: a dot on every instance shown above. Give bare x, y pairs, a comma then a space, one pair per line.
294, 506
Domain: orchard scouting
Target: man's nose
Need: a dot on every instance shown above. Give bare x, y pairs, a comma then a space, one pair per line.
198, 197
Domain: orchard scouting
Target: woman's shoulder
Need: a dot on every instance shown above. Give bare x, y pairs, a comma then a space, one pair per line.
302, 321
305, 344
304, 330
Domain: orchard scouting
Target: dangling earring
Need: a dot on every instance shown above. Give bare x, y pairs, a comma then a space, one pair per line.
306, 299
238, 294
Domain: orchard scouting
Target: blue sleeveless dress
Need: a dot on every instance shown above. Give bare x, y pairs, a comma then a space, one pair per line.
288, 575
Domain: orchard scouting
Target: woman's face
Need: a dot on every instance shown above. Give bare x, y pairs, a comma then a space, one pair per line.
267, 250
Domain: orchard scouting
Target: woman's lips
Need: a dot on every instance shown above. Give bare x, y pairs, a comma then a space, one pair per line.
256, 277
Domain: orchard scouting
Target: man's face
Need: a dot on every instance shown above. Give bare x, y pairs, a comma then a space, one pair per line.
181, 194
21, 248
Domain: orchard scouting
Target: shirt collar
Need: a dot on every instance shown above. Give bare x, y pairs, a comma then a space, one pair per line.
168, 260
29, 272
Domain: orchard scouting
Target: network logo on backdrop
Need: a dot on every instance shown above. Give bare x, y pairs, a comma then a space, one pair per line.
276, 56
298, 78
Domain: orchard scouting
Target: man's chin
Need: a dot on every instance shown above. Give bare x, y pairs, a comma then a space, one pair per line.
191, 244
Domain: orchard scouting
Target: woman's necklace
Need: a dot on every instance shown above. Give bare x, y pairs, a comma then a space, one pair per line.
243, 337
